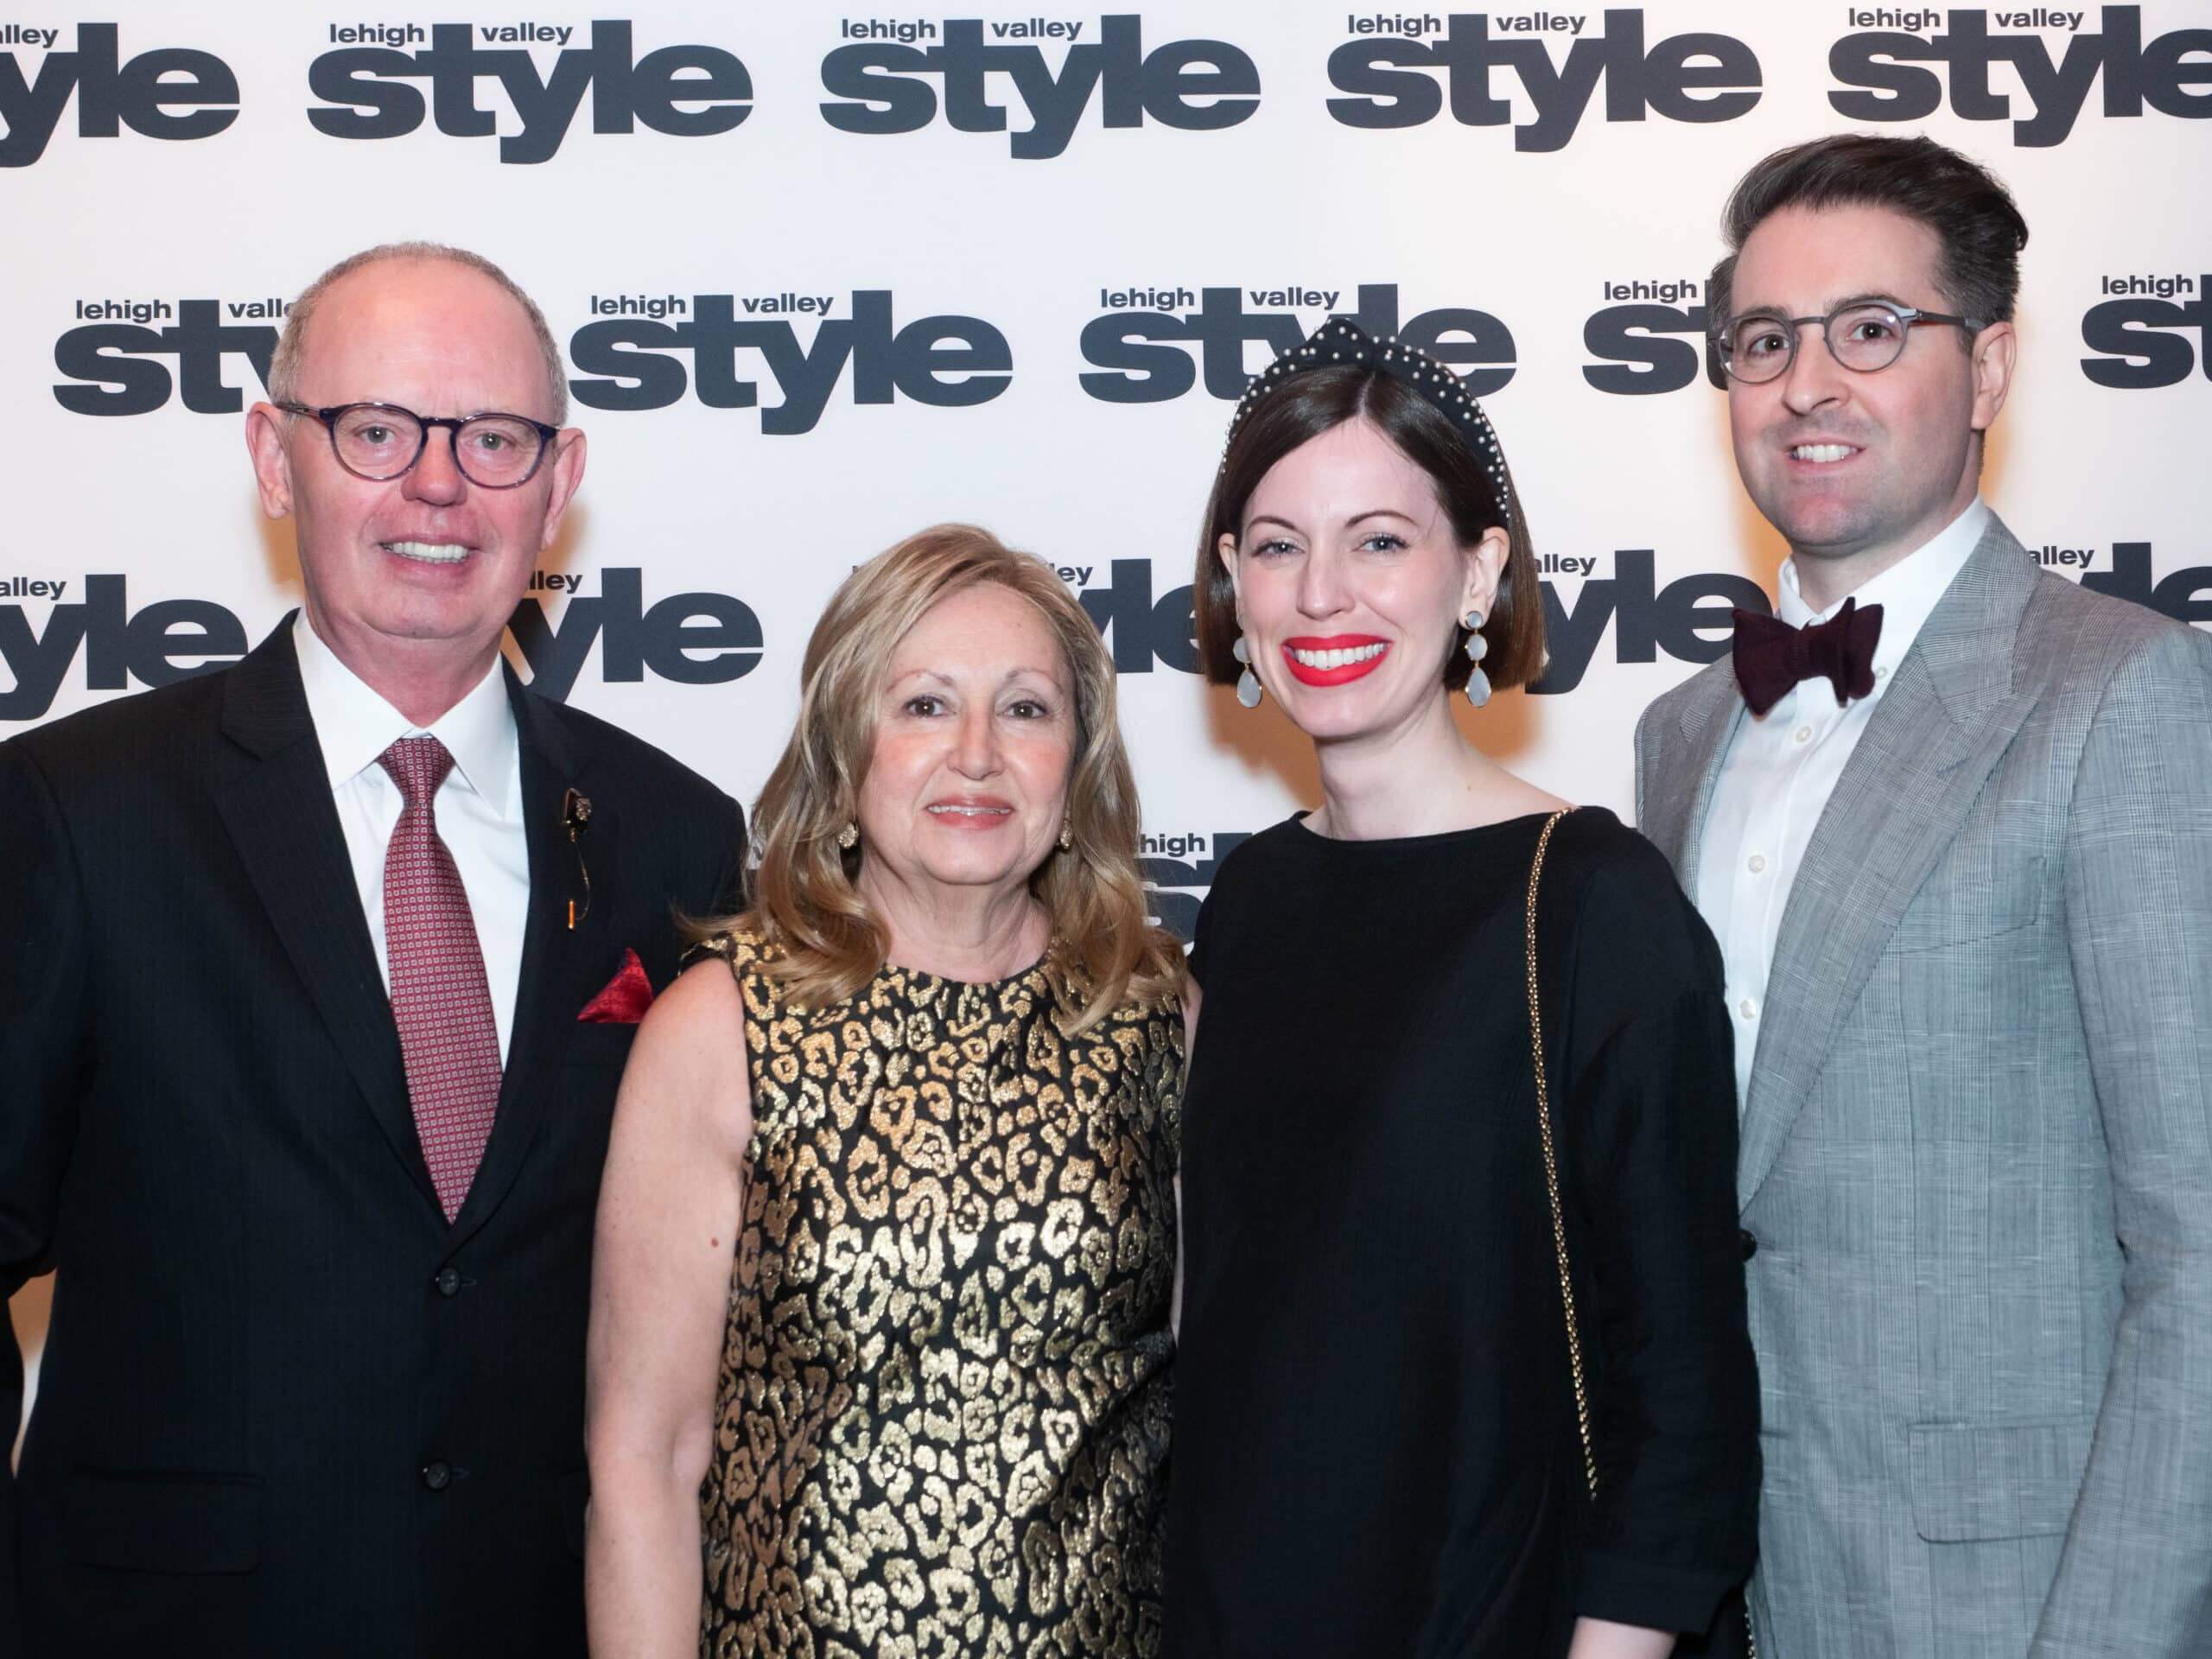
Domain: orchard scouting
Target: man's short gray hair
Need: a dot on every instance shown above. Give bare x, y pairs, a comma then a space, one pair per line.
285, 366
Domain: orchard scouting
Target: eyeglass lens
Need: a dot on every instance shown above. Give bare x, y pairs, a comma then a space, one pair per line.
1863, 337
380, 443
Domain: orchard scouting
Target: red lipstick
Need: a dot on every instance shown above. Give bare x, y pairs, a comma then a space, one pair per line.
1366, 651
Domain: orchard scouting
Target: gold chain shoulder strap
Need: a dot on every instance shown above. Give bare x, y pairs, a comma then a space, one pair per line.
1558, 1218
1551, 1162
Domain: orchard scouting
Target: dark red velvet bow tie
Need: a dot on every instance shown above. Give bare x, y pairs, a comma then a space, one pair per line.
1771, 656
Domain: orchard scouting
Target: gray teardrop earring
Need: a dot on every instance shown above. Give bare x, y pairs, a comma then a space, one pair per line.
1248, 683
1477, 648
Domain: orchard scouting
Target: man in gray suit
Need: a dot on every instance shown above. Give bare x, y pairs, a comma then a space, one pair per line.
1950, 818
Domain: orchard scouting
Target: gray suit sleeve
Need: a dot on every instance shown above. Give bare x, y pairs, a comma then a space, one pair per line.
1643, 745
2136, 1576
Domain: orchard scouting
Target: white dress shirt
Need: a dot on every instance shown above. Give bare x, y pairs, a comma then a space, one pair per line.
478, 807
1781, 767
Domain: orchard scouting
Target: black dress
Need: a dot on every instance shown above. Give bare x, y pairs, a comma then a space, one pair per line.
1375, 1451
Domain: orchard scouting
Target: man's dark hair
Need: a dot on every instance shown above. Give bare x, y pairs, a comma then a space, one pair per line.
1972, 215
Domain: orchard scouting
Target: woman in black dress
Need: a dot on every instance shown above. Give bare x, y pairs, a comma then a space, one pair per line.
1378, 1450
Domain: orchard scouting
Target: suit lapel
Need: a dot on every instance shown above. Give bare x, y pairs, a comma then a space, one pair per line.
561, 967
275, 798
1920, 764
1712, 709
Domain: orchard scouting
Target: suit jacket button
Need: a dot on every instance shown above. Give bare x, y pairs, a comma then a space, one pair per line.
437, 1476
447, 1281
1749, 1245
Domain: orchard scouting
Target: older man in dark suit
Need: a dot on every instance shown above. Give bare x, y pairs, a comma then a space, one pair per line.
319, 975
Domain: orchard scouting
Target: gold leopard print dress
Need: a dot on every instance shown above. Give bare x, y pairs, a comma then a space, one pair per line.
942, 1413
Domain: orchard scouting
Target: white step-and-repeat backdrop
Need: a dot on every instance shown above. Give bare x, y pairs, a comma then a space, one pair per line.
825, 275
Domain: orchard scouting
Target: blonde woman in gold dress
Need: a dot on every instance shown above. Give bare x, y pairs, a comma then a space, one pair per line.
887, 1241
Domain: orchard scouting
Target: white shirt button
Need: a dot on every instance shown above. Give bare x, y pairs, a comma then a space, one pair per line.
1757, 863
1748, 1009
1803, 733
1881, 673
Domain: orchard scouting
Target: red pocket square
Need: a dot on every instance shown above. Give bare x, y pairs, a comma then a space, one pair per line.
626, 998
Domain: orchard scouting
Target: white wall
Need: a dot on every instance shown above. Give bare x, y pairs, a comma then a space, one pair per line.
1533, 221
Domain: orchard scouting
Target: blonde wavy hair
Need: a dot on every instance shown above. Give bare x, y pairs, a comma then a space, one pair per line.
825, 943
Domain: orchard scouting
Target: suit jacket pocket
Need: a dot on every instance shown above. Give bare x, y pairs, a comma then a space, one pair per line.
154, 1523
1978, 1481
596, 1042
1978, 893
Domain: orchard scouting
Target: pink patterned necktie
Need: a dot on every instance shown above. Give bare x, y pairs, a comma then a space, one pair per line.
441, 998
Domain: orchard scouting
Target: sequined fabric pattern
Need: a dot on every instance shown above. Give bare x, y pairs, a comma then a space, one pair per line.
943, 1408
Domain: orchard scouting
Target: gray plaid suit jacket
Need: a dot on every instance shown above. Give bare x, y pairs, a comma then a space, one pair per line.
1976, 1144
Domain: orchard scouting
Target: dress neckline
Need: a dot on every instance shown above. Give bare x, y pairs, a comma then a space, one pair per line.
922, 976
1305, 836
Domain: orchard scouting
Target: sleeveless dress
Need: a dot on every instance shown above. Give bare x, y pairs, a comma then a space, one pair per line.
942, 1411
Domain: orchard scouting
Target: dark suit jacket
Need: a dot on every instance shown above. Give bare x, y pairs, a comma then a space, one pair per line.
284, 1408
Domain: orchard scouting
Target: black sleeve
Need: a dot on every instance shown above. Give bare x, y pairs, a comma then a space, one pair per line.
1199, 935
729, 883
1220, 900
45, 1052
1650, 1125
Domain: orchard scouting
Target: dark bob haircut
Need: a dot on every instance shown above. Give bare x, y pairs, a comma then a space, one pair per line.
1978, 229
1303, 407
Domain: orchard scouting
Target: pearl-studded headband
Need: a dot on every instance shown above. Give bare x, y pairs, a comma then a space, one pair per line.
1341, 342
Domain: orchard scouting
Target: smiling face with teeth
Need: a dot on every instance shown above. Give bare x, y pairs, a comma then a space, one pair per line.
1858, 470
409, 580
966, 786
1350, 585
